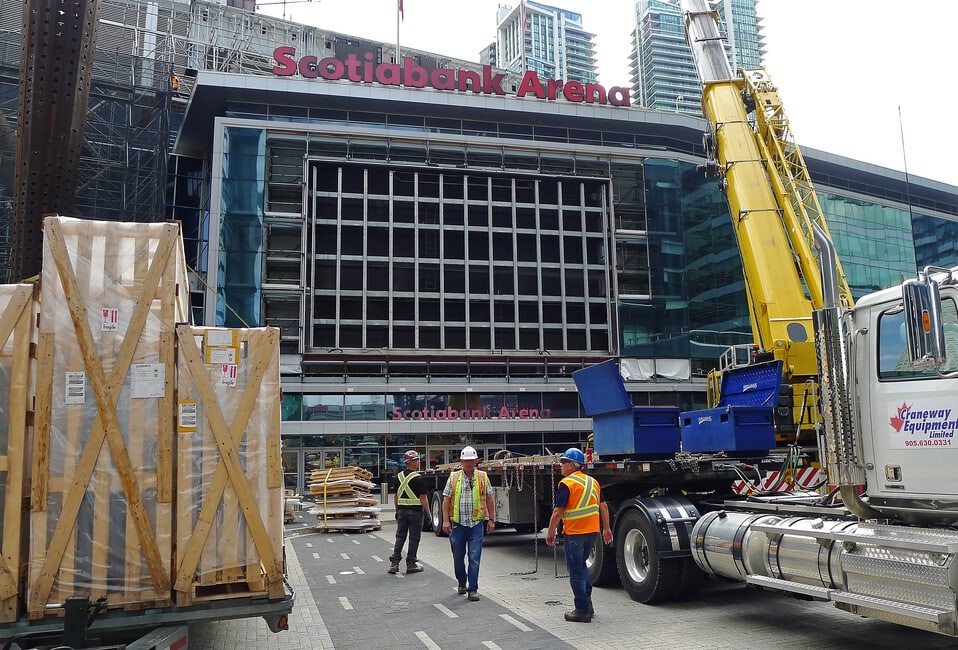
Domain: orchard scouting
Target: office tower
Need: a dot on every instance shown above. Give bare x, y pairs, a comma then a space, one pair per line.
548, 40
663, 77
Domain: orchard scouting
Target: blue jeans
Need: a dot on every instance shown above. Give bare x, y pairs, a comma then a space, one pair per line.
577, 550
467, 540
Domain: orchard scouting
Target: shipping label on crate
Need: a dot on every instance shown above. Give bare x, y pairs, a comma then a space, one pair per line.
186, 416
110, 319
217, 356
147, 380
75, 388
221, 338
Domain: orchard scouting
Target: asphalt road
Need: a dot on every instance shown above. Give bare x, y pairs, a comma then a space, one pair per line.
523, 581
353, 603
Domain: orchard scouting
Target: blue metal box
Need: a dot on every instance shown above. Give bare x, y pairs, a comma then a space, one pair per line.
619, 427
744, 418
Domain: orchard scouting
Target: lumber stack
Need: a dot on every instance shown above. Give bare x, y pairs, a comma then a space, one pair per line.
344, 501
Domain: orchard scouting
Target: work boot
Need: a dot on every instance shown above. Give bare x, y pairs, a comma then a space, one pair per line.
415, 567
393, 567
462, 589
473, 596
576, 617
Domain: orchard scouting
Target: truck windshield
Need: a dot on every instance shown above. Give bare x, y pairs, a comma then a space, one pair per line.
893, 353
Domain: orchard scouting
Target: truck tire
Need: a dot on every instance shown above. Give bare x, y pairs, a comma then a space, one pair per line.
435, 508
644, 574
601, 564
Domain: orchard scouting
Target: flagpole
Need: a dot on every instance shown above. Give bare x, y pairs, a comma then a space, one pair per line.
398, 18
522, 33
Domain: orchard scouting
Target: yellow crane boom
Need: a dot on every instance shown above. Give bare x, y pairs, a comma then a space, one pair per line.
772, 204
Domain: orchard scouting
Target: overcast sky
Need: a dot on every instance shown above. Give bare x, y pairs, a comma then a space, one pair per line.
843, 67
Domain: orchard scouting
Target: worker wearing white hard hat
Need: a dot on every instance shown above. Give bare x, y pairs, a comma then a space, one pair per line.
468, 513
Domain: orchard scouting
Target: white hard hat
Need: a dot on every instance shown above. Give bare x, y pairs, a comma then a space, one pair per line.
468, 453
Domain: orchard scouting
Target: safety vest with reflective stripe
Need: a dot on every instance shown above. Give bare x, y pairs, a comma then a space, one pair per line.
582, 511
480, 487
404, 493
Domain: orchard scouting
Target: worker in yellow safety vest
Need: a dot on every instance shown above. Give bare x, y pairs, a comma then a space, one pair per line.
411, 505
468, 513
581, 507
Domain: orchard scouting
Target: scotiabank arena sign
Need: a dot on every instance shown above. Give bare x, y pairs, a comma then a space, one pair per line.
410, 75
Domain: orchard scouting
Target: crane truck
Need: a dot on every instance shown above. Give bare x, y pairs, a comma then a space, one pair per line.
875, 379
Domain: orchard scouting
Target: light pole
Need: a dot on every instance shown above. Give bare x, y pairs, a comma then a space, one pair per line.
678, 99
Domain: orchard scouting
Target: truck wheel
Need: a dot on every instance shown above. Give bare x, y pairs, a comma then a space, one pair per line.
601, 564
645, 576
435, 508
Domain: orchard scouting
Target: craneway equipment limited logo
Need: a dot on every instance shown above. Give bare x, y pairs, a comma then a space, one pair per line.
410, 75
922, 427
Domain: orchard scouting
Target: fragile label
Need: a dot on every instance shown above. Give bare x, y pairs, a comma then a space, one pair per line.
110, 318
147, 380
228, 375
75, 388
186, 416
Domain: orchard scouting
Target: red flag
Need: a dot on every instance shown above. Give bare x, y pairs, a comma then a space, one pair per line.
523, 19
401, 14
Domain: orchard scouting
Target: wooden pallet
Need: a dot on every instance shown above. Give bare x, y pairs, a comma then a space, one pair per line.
229, 475
102, 468
17, 311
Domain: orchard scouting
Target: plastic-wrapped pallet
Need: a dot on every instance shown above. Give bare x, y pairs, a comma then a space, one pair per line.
229, 477
102, 462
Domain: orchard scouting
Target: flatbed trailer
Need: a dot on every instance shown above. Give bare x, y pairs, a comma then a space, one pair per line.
145, 629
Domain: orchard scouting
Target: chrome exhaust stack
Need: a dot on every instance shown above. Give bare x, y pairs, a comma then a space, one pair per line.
845, 463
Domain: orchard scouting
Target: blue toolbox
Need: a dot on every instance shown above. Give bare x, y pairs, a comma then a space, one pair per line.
618, 427
743, 420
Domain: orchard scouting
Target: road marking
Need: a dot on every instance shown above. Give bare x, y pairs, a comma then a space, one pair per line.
309, 545
519, 624
344, 556
315, 556
345, 602
371, 536
359, 571
445, 610
426, 641
377, 558
356, 541
491, 645
330, 540
331, 580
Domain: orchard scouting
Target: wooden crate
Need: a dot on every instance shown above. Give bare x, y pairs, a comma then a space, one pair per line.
229, 513
102, 469
17, 316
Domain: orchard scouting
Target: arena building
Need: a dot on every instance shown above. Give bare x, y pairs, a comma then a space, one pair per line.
443, 248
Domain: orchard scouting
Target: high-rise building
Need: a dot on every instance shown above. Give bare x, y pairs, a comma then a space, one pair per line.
548, 40
663, 76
